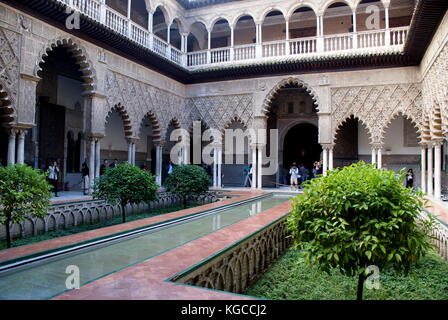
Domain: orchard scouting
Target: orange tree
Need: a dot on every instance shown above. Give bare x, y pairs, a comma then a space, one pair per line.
360, 216
24, 192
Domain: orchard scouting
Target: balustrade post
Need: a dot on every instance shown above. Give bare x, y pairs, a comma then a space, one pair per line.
102, 11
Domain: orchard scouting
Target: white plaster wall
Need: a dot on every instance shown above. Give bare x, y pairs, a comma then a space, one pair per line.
115, 137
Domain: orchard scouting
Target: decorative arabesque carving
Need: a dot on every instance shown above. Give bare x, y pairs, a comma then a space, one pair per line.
9, 71
377, 106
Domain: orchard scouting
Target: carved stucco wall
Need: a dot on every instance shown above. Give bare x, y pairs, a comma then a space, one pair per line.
377, 106
435, 92
9, 66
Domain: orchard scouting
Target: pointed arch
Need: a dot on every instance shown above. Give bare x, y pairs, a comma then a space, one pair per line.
121, 110
283, 83
78, 53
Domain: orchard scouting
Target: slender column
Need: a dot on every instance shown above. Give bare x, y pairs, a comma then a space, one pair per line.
219, 166
258, 47
232, 43
437, 170
373, 155
150, 21
215, 167
379, 158
209, 47
254, 167
317, 26
12, 147
430, 171
168, 34
91, 162
423, 168
97, 157
330, 158
386, 16
321, 25
21, 147
133, 153
287, 38
129, 151
259, 169
159, 164
325, 161
355, 36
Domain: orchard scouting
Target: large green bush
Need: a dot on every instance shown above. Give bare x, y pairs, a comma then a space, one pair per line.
360, 216
186, 180
125, 184
24, 192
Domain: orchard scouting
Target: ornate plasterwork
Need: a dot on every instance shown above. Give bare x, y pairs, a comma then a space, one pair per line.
218, 111
377, 106
9, 71
435, 93
140, 100
274, 91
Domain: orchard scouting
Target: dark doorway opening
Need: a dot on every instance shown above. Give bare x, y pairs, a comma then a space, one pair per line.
301, 146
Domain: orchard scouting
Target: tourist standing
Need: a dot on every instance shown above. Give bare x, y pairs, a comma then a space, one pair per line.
53, 176
170, 168
85, 178
114, 164
247, 175
294, 172
410, 179
103, 167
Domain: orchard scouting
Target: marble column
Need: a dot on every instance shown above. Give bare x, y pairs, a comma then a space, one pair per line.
219, 160
21, 147
215, 167
12, 147
159, 164
330, 158
324, 160
254, 167
423, 168
429, 184
379, 158
437, 170
373, 155
97, 157
91, 162
259, 169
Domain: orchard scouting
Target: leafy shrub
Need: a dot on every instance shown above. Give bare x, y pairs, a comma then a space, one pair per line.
360, 216
125, 184
24, 192
186, 180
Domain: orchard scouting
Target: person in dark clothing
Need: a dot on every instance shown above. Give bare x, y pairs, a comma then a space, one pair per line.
103, 167
114, 164
85, 178
410, 179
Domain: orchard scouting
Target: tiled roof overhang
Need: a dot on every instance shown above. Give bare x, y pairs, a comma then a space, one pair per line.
427, 16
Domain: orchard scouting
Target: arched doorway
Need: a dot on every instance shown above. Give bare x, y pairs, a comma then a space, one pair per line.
301, 146
293, 113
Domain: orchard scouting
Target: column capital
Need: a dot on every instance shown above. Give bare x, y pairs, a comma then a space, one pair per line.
132, 139
377, 145
436, 143
327, 146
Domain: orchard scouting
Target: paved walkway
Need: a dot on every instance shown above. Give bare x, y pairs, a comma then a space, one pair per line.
438, 208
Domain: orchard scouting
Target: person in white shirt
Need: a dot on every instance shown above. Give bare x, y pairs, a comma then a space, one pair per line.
294, 172
53, 176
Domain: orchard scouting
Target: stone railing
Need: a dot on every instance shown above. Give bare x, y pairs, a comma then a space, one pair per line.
439, 236
71, 214
235, 269
354, 43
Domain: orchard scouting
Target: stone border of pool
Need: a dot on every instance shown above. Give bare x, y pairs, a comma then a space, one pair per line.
150, 279
40, 247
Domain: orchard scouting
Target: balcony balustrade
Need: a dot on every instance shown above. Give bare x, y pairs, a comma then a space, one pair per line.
314, 47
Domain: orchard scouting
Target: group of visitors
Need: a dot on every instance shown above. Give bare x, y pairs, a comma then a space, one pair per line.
299, 174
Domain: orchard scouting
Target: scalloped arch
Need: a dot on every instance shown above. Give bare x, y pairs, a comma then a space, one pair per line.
127, 126
409, 117
156, 136
280, 85
7, 111
80, 55
339, 125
